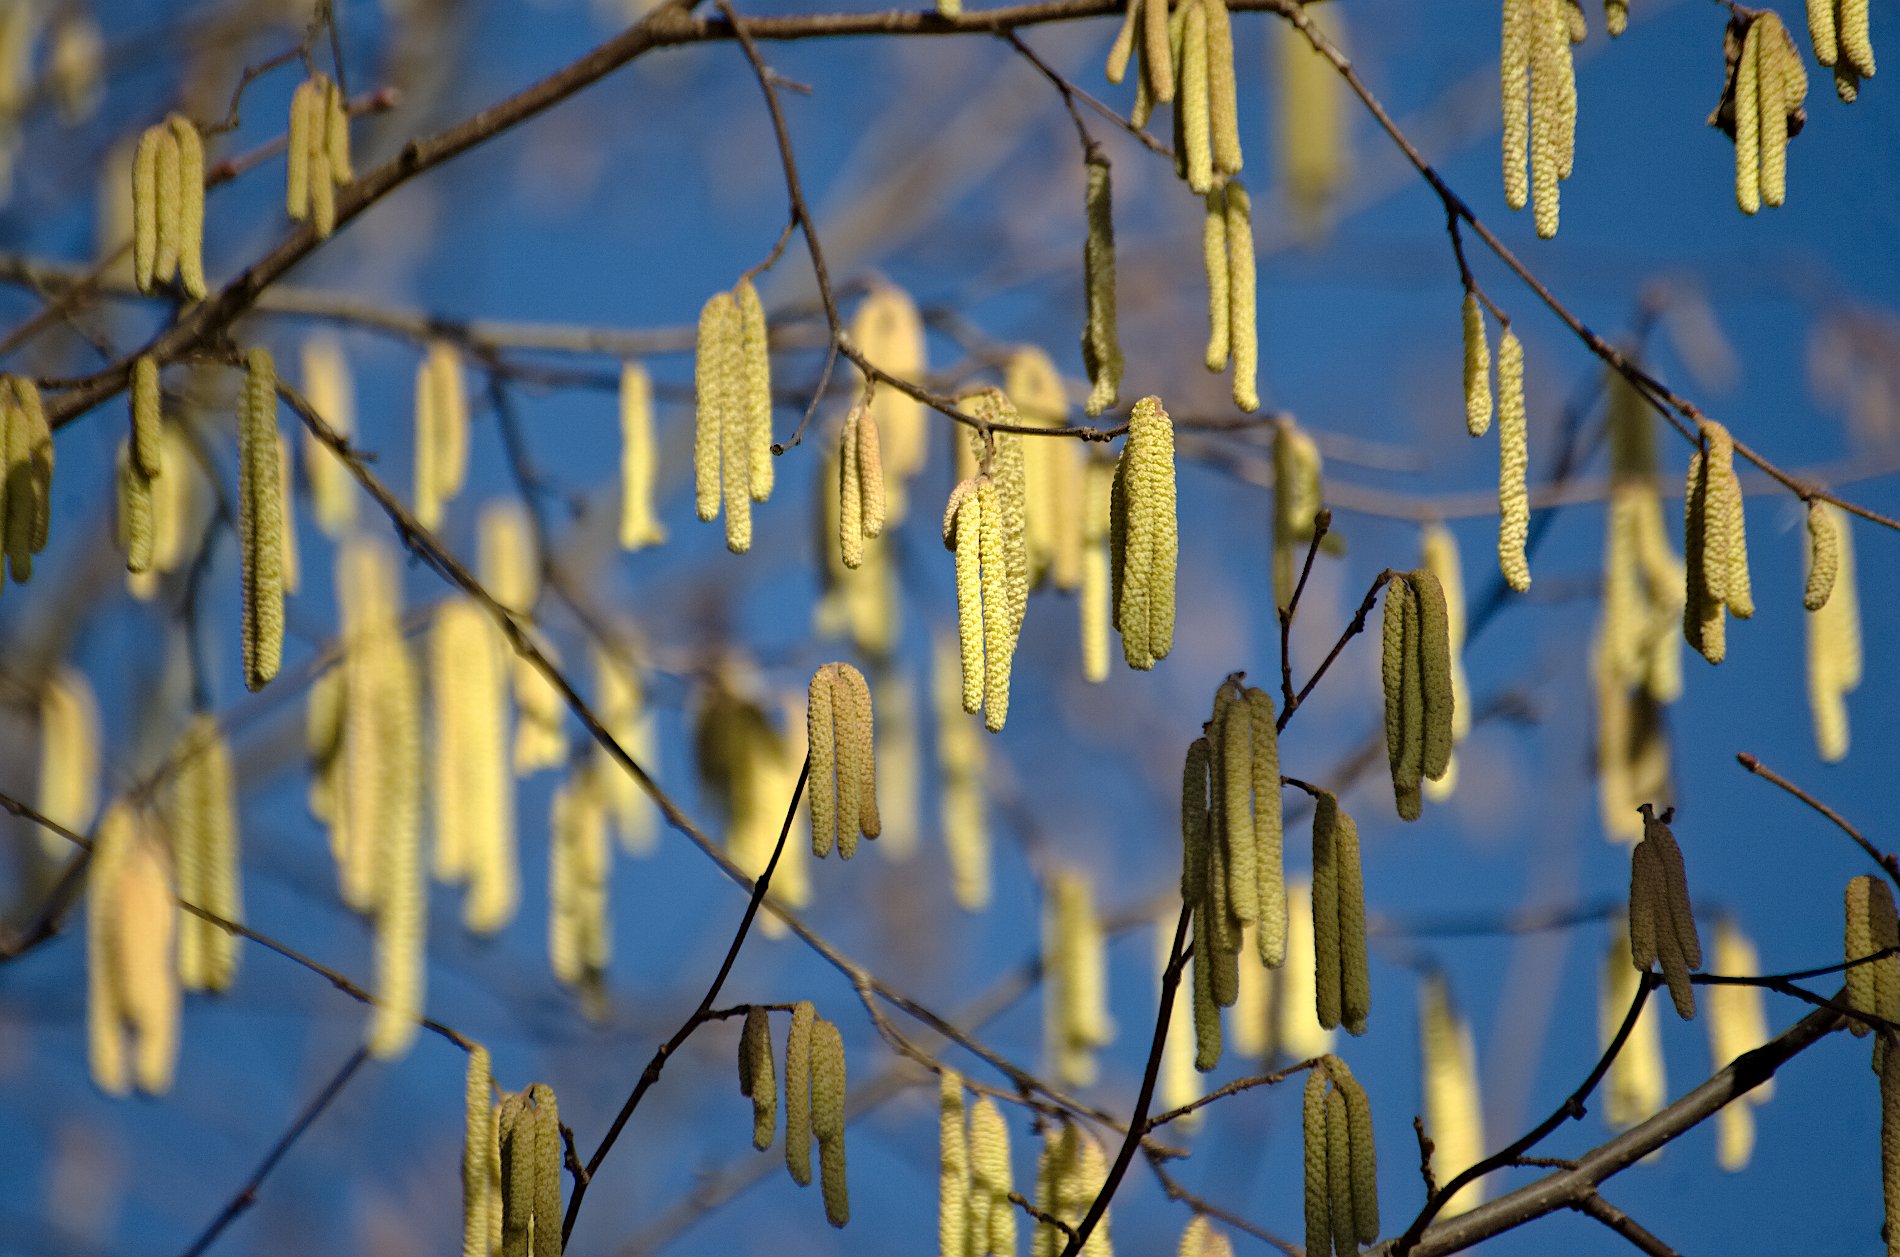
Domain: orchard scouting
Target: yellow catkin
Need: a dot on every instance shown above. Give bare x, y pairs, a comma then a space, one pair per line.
1124, 45
292, 557
963, 532
509, 568
1150, 548
1180, 1082
1890, 1148
1636, 1085
1222, 107
827, 1118
851, 529
478, 1091
1477, 368
580, 942
1214, 261
1101, 343
1856, 50
1194, 153
202, 816
145, 209
145, 416
261, 522
336, 134
756, 1078
1513, 464
713, 385
953, 1169
1453, 1116
441, 430
992, 1214
136, 513
964, 813
821, 721
1292, 1025
798, 1106
1822, 32
1834, 641
889, 332
328, 389
1748, 124
755, 391
1319, 1207
105, 1035
1824, 556
303, 102
1858, 942
400, 907
1738, 1023
541, 713
620, 702
639, 526
474, 794
1157, 60
1315, 140
1514, 82
857, 760
1241, 284
191, 205
69, 757
145, 929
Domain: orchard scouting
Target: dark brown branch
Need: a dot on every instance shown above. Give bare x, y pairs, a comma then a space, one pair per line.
1322, 524
1594, 1206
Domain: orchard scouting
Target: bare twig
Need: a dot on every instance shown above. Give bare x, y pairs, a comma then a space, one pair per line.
1888, 862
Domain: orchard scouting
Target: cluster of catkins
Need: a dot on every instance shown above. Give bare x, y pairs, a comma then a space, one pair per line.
1416, 665
168, 207
1661, 919
814, 1098
1538, 84
318, 152
732, 441
975, 1216
841, 743
512, 1154
1342, 1189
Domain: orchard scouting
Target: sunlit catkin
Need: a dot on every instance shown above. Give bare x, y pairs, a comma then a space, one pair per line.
620, 702
1477, 368
261, 521
954, 1220
473, 785
1833, 639
1214, 262
992, 1214
1244, 336
1101, 343
201, 813
798, 1095
1768, 84
1453, 1116
477, 1152
1538, 91
1145, 549
1093, 604
401, 918
963, 807
1514, 509
757, 1080
1738, 1023
69, 757
1075, 958
328, 389
441, 430
132, 984
888, 330
509, 568
841, 739
1890, 1147
722, 454
861, 498
318, 153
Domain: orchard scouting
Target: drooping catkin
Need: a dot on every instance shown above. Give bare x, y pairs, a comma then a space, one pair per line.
328, 390
1319, 1204
843, 760
28, 496
888, 330
1477, 368
757, 1079
1440, 551
962, 808
474, 792
1075, 958
1715, 548
1053, 470
1762, 104
722, 446
1824, 556
441, 430
137, 517
1364, 1165
827, 1118
1214, 262
1538, 90
1838, 31
1514, 508
1297, 501
478, 1090
1223, 112
963, 533
191, 205
506, 559
145, 416
540, 712
1343, 994
639, 525
69, 757
168, 207
1339, 1181
1145, 549
861, 499
1890, 1147
1241, 285
1833, 642
755, 391
132, 984
1454, 1117
531, 1153
1636, 1085
954, 1215
400, 907
318, 153
580, 940
1101, 343
620, 702
201, 813
1069, 1175
1738, 1023
798, 1097
1194, 151
261, 521
992, 1214
1401, 659
1662, 924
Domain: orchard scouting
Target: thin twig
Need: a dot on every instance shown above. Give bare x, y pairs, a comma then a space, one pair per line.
1888, 862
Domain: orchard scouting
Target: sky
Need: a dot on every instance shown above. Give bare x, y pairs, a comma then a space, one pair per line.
950, 167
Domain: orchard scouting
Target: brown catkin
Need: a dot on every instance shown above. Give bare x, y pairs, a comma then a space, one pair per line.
261, 521
1327, 967
1101, 344
1824, 556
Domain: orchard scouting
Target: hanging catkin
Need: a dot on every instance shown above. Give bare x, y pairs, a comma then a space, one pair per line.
827, 1118
798, 1098
953, 1169
202, 817
330, 393
1069, 1175
639, 526
261, 521
1343, 993
1214, 262
168, 207
1093, 604
1453, 1116
580, 941
1341, 1166
1715, 548
531, 1152
132, 984
1054, 470
992, 1214
400, 911
840, 736
1477, 368
1315, 149
1514, 509
1662, 923
1833, 631
1636, 1085
506, 560
620, 702
477, 1152
441, 430
889, 332
474, 792
1440, 552
1838, 31
1144, 538
1890, 1148
1228, 256
722, 443
1416, 667
756, 1078
1738, 1023
318, 153
69, 757
1075, 960
861, 503
1101, 343
1539, 92
26, 501
1761, 106
755, 390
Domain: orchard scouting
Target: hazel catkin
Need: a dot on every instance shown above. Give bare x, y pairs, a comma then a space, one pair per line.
261, 521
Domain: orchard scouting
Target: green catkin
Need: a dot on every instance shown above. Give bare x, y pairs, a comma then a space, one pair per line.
1222, 107
1355, 978
1151, 544
1157, 60
1123, 48
1319, 1206
1862, 988
145, 209
297, 153
1339, 1178
1101, 343
1194, 818
1477, 368
547, 1171
145, 416
999, 634
28, 493
1402, 674
756, 1078
798, 1099
1214, 262
1513, 464
1270, 932
203, 822
1365, 1159
1704, 614
476, 1152
1207, 1027
261, 522
953, 1169
191, 205
165, 262
1327, 992
1241, 285
1824, 556
1195, 153
1435, 664
1660, 893
517, 1176
137, 521
1234, 727
1883, 935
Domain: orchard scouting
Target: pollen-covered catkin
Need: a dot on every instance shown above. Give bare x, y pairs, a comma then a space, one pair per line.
261, 521
827, 1118
441, 430
328, 389
478, 1089
992, 1214
190, 225
722, 451
1319, 1205
1824, 556
136, 512
754, 410
1834, 642
132, 985
1477, 368
202, 815
1101, 343
639, 455
1538, 90
1768, 85
1454, 1117
69, 757
1738, 1023
1241, 285
963, 533
861, 504
1514, 507
319, 153
1435, 671
1194, 151
953, 1169
474, 792
401, 919
1214, 262
798, 1098
1150, 543
756, 1077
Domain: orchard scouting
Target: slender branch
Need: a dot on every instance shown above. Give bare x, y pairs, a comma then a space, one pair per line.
1594, 1206
1322, 524
247, 1194
1353, 629
1888, 862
